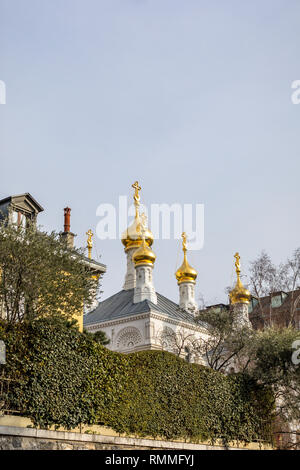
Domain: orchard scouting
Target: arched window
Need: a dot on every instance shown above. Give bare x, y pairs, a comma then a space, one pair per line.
128, 338
166, 338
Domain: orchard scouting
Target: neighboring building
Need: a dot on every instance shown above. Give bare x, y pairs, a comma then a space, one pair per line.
139, 318
278, 308
20, 209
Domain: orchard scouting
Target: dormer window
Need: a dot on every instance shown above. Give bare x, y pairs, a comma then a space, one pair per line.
19, 219
277, 299
20, 209
252, 304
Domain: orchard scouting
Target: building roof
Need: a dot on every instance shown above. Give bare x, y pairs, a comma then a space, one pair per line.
21, 198
94, 265
121, 305
226, 306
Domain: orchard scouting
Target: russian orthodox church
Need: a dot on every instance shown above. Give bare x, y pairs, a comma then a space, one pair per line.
140, 318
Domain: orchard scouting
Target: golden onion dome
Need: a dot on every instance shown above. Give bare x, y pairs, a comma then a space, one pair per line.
132, 236
143, 255
185, 273
239, 294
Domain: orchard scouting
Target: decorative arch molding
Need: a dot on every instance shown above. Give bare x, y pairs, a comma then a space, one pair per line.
128, 338
180, 342
165, 338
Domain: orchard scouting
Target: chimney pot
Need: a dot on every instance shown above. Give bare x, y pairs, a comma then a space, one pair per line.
66, 235
67, 213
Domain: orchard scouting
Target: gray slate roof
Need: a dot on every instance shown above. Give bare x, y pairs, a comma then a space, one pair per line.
121, 305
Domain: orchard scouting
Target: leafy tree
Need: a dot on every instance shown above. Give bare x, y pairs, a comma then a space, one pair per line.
266, 356
272, 363
224, 342
41, 275
263, 275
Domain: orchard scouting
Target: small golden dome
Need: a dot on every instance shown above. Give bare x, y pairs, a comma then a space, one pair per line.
185, 273
143, 255
239, 294
132, 236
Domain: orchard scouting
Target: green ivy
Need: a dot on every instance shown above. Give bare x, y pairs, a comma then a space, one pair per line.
65, 378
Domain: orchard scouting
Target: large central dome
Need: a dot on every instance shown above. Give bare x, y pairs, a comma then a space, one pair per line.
132, 236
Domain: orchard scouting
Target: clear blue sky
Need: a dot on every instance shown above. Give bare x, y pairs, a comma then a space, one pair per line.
190, 97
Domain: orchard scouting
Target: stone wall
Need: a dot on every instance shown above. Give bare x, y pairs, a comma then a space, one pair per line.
33, 443
14, 438
17, 433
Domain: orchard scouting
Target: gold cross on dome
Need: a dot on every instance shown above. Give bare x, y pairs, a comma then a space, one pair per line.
136, 188
237, 263
184, 247
136, 198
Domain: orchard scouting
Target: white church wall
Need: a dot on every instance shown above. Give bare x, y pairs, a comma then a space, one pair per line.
125, 336
177, 338
151, 331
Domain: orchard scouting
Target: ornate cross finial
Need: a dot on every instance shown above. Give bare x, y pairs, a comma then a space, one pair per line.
89, 242
237, 264
184, 237
136, 196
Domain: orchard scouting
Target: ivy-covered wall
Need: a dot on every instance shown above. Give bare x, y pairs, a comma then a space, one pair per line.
62, 377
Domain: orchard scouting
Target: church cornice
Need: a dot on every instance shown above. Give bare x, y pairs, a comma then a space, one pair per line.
150, 315
117, 321
162, 317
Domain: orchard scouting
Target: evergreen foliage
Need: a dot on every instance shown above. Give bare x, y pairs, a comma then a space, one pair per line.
64, 378
40, 275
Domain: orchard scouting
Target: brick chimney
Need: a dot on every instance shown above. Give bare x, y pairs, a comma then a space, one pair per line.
67, 214
66, 235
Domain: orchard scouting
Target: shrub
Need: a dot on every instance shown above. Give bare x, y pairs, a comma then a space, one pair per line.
65, 378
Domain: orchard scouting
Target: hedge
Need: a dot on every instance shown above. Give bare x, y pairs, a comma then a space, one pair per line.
64, 378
